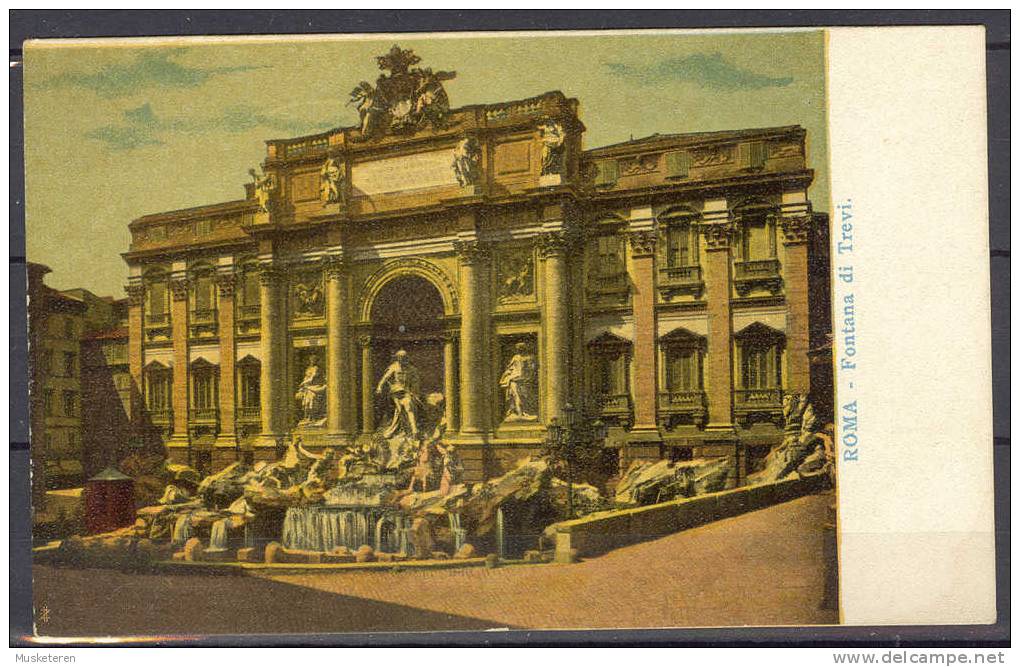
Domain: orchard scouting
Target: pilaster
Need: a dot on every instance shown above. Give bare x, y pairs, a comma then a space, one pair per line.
717, 230
339, 390
179, 335
553, 247
367, 386
796, 232
273, 340
450, 383
226, 438
474, 352
136, 362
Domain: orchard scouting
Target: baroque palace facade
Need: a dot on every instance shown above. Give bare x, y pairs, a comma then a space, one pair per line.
672, 277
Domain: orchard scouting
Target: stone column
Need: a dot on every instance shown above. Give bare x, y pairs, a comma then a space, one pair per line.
273, 330
556, 323
450, 381
226, 440
642, 248
367, 386
795, 278
717, 232
475, 390
178, 444
338, 371
136, 335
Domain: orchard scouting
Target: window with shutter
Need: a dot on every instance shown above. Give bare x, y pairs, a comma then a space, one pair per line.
607, 172
753, 155
678, 164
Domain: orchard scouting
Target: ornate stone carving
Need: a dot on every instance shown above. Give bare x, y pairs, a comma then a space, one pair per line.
795, 230
225, 283
403, 100
515, 275
331, 182
639, 164
408, 266
717, 235
179, 288
472, 252
553, 140
642, 244
365, 341
266, 186
466, 158
553, 244
711, 156
334, 266
270, 276
136, 293
307, 295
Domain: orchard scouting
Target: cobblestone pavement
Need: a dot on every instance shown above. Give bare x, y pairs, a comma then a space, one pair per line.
761, 568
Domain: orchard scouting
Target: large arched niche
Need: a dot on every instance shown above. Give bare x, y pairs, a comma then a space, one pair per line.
401, 269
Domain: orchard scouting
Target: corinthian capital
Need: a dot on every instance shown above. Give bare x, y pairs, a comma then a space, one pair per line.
795, 230
136, 293
179, 288
334, 267
553, 244
718, 235
270, 276
642, 244
471, 252
225, 282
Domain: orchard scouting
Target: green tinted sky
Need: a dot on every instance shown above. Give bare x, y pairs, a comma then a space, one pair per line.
119, 130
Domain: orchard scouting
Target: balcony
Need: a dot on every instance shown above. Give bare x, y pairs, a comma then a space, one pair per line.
757, 274
750, 405
613, 288
675, 280
682, 406
204, 415
249, 319
161, 416
616, 408
157, 319
249, 414
204, 322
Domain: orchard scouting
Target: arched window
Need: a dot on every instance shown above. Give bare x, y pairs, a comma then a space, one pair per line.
680, 254
609, 375
760, 358
249, 382
157, 299
248, 297
158, 380
683, 361
607, 261
203, 300
204, 399
755, 261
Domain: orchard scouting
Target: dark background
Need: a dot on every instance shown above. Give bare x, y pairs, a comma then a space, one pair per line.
33, 24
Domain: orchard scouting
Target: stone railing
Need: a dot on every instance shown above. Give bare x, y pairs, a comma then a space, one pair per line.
603, 531
763, 397
762, 273
249, 413
684, 405
203, 315
161, 415
680, 280
303, 146
157, 319
205, 415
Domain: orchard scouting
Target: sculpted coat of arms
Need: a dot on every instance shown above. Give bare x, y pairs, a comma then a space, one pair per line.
403, 100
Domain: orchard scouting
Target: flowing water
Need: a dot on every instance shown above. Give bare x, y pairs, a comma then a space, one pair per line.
182, 530
323, 528
218, 537
458, 533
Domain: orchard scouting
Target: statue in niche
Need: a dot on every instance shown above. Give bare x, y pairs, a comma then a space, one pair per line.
312, 392
265, 188
466, 157
516, 276
330, 182
402, 382
308, 299
553, 138
403, 100
519, 385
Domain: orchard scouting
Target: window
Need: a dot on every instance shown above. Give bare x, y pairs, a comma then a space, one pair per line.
69, 363
48, 406
157, 301
678, 164
70, 403
157, 388
204, 295
250, 385
760, 356
609, 374
683, 355
68, 327
681, 239
757, 235
609, 256
203, 389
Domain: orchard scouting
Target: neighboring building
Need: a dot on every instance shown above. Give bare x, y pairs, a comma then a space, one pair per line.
669, 276
106, 391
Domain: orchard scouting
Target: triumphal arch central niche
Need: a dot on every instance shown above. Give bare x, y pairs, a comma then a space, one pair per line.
475, 269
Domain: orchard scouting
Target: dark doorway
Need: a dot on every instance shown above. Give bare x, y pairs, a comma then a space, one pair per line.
407, 314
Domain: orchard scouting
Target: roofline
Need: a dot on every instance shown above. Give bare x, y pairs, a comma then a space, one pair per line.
691, 139
233, 206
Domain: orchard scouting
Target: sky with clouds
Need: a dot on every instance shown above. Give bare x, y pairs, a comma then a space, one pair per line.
118, 130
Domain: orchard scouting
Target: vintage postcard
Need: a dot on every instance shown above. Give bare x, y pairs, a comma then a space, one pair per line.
525, 330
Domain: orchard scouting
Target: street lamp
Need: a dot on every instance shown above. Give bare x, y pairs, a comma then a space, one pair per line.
563, 439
